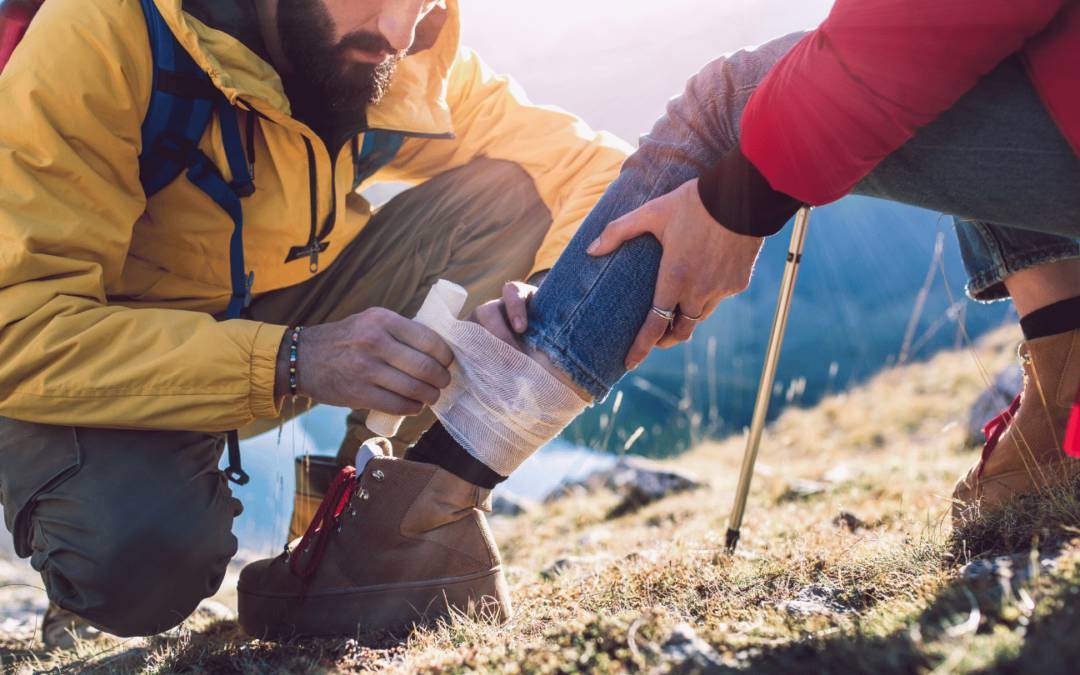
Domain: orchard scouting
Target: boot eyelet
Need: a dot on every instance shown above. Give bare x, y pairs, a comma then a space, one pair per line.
352, 513
339, 528
362, 494
378, 475
1025, 359
365, 496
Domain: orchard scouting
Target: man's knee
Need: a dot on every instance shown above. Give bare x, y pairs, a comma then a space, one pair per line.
138, 533
145, 576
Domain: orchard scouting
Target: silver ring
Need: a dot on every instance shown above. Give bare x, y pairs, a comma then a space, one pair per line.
668, 316
692, 318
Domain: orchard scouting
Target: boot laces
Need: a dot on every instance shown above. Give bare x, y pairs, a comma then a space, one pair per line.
337, 497
995, 428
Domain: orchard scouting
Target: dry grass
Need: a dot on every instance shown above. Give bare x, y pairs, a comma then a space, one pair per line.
886, 455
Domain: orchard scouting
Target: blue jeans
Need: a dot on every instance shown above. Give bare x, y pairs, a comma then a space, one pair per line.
995, 160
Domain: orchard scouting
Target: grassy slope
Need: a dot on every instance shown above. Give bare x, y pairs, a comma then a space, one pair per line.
889, 452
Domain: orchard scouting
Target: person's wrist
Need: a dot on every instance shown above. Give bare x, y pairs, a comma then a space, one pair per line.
281, 368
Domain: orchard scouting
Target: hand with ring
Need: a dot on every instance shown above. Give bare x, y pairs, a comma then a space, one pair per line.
703, 263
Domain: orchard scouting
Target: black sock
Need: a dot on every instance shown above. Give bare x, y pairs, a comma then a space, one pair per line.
438, 447
1060, 317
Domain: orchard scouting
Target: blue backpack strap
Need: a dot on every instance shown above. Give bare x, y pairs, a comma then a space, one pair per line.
378, 150
182, 101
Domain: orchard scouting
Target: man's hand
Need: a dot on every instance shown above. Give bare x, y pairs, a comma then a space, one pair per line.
376, 359
703, 263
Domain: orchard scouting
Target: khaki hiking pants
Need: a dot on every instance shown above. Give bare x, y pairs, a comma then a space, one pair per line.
130, 530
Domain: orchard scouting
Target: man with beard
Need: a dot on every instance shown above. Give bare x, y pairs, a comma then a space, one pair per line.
123, 366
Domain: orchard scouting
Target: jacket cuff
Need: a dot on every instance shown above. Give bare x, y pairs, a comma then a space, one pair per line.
264, 351
738, 197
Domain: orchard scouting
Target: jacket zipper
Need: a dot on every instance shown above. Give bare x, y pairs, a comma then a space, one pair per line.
316, 243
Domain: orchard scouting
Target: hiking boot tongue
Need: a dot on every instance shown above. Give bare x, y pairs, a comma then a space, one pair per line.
407, 542
372, 448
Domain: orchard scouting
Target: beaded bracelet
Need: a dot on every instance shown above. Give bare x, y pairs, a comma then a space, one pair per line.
292, 360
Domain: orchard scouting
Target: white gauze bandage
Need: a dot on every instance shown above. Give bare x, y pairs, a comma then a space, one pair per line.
501, 405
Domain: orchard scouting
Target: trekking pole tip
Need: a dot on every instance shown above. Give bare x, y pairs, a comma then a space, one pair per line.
731, 541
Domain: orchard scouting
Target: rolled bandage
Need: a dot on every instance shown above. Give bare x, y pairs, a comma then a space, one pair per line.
501, 405
444, 296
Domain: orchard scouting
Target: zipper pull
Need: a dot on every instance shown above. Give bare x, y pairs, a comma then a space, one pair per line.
313, 265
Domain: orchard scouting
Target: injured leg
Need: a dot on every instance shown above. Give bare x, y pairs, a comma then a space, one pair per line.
501, 404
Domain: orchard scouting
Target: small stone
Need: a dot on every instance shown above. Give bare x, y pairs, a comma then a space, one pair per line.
510, 505
639, 480
648, 556
567, 562
813, 600
838, 474
212, 609
685, 647
593, 538
800, 489
849, 521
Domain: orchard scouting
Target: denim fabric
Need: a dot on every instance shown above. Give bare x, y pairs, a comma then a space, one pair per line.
588, 310
994, 159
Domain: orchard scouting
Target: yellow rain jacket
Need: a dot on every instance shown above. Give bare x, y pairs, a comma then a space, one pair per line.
106, 297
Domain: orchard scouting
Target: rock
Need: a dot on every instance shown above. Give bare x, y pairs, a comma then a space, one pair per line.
510, 504
638, 480
815, 599
992, 402
592, 538
650, 556
838, 474
212, 609
685, 648
650, 477
1009, 570
567, 562
849, 521
800, 488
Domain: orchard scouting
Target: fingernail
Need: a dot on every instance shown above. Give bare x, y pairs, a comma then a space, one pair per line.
632, 365
593, 246
519, 325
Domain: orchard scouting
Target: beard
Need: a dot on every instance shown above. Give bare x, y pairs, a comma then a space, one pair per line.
325, 79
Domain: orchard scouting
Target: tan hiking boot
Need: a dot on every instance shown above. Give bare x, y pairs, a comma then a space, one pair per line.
1023, 451
392, 544
314, 473
61, 629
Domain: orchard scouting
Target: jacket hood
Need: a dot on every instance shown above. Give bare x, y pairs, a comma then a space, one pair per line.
225, 40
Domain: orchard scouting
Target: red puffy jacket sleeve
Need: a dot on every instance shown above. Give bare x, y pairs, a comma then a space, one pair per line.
859, 86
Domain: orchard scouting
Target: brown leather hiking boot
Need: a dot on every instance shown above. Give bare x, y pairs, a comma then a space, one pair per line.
1023, 451
393, 543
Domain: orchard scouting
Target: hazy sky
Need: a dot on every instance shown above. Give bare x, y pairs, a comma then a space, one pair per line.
615, 62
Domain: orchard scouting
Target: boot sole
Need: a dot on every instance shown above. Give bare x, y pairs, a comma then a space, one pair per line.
386, 607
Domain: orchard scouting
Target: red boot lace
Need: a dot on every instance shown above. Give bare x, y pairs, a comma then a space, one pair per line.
341, 490
995, 428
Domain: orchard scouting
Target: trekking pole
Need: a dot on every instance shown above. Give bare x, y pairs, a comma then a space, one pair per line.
768, 374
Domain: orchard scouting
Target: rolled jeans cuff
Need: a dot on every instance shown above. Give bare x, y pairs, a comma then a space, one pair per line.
991, 253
